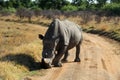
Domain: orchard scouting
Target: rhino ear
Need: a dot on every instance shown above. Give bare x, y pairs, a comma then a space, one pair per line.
41, 36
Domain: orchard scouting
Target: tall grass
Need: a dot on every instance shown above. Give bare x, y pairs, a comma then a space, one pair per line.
20, 49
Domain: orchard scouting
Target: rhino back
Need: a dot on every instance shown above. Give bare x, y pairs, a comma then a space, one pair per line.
71, 32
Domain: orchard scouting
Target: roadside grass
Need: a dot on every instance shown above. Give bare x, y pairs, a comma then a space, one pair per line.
20, 50
109, 28
103, 23
8, 71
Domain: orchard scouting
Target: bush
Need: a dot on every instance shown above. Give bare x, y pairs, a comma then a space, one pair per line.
21, 12
69, 8
7, 11
114, 8
11, 10
24, 12
50, 14
37, 10
82, 7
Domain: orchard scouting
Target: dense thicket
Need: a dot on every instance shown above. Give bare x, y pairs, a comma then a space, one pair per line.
63, 5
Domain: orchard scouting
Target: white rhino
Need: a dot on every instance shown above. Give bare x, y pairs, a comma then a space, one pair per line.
60, 37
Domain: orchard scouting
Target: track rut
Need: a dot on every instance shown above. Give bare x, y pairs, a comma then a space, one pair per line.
100, 60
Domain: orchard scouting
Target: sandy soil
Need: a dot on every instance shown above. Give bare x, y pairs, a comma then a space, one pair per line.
100, 60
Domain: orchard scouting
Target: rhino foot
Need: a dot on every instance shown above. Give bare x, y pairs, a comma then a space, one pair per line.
58, 65
64, 60
77, 60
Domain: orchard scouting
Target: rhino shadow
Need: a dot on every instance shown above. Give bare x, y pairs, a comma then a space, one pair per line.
23, 59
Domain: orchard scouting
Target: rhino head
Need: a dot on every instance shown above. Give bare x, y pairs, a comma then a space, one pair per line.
48, 53
50, 41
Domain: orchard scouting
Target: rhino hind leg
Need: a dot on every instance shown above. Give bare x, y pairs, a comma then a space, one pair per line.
65, 57
77, 58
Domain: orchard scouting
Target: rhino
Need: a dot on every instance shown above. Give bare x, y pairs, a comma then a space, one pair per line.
60, 37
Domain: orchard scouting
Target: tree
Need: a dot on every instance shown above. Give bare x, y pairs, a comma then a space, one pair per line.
24, 3
16, 3
52, 4
81, 4
101, 2
69, 8
1, 3
19, 3
77, 2
115, 1
58, 4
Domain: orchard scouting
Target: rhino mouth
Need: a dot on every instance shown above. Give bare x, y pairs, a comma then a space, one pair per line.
46, 63
47, 60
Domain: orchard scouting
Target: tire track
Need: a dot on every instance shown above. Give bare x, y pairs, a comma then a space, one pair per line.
98, 62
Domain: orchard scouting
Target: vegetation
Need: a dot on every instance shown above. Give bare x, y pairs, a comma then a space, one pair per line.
65, 5
20, 48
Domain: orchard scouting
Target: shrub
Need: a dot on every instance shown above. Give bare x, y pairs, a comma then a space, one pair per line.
7, 11
36, 10
11, 10
23, 12
82, 7
50, 14
86, 17
114, 8
69, 8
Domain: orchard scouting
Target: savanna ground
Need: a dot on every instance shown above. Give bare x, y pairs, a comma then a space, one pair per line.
20, 51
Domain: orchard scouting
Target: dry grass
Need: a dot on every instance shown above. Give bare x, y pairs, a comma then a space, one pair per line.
101, 23
20, 49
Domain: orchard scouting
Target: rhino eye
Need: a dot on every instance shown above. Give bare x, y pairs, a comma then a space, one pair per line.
52, 24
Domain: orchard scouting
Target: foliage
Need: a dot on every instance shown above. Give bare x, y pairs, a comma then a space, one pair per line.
69, 8
20, 50
113, 7
36, 10
115, 1
52, 4
64, 5
101, 2
7, 11
24, 12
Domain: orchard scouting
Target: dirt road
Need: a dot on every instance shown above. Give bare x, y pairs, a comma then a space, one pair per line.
100, 60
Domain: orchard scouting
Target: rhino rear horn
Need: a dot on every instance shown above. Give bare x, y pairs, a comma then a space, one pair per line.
41, 36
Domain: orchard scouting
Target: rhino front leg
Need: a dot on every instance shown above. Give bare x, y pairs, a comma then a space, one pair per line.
65, 56
57, 59
77, 59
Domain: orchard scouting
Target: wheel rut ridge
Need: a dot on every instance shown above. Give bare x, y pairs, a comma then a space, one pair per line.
103, 64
